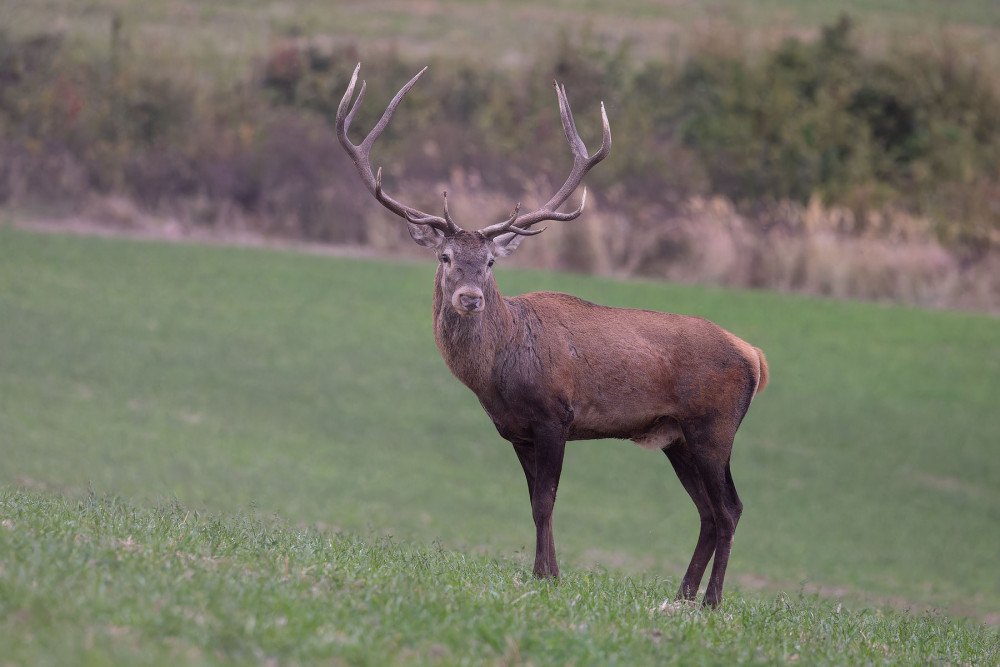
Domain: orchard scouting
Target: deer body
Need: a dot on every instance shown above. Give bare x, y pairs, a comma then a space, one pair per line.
603, 372
549, 367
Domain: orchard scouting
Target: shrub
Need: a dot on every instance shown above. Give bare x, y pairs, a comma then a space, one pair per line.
884, 139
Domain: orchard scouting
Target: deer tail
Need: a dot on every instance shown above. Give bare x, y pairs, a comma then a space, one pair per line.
763, 373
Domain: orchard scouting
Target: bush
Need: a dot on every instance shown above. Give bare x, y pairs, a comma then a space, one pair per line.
890, 138
822, 118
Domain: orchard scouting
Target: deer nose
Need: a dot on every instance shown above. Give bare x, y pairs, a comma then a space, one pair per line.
469, 300
471, 303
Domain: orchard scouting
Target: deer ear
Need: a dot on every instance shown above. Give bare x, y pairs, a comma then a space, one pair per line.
425, 235
505, 244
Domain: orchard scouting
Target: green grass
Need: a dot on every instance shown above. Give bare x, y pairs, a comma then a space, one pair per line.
99, 581
219, 38
310, 387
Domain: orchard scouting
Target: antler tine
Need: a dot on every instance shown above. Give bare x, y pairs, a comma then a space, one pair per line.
360, 153
507, 225
499, 228
454, 229
582, 163
569, 124
572, 215
411, 215
526, 232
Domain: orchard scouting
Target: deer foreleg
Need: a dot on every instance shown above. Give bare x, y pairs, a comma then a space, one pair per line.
526, 455
548, 455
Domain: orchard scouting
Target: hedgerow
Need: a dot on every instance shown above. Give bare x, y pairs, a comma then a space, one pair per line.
899, 145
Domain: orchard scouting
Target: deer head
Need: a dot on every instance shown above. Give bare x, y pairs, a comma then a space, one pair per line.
466, 258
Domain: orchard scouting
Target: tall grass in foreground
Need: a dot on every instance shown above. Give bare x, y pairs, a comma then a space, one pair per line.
96, 580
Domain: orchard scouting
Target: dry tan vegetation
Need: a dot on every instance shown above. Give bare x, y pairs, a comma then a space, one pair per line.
227, 138
809, 249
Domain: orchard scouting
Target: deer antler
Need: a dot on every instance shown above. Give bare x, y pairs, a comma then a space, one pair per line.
516, 224
507, 225
360, 155
582, 163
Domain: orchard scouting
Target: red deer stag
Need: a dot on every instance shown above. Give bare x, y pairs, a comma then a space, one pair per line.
550, 367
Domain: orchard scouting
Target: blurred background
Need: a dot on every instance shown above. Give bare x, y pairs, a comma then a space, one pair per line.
847, 149
820, 149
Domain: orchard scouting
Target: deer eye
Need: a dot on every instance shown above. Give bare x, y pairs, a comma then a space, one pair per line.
445, 259
490, 263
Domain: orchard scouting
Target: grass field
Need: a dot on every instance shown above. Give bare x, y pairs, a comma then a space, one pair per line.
218, 38
310, 387
98, 581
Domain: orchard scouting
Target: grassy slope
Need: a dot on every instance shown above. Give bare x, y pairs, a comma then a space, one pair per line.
98, 581
311, 387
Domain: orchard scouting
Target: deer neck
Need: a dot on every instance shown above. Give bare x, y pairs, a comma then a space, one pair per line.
470, 343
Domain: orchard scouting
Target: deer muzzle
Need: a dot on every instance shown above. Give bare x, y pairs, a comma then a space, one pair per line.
468, 299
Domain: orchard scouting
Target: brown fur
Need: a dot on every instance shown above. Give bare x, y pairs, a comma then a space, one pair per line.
549, 367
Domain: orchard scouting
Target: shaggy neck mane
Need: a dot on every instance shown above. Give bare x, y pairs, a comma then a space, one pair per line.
469, 343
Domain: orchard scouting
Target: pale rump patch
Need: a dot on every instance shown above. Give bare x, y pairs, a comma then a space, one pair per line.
756, 357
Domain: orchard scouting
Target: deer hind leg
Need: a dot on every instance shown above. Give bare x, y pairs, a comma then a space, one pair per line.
706, 459
727, 509
710, 450
687, 472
